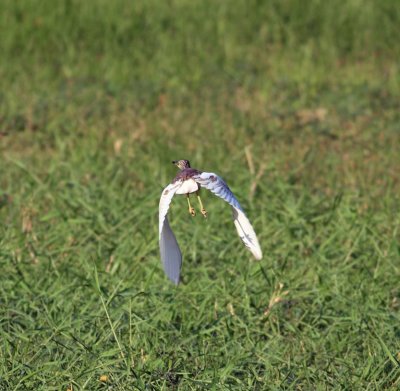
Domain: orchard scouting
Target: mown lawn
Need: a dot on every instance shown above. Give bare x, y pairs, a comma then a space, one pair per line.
296, 107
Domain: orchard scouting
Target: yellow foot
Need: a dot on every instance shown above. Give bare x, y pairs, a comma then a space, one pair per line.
192, 211
203, 211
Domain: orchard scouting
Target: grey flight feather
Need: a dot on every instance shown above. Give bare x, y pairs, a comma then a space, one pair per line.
171, 255
243, 226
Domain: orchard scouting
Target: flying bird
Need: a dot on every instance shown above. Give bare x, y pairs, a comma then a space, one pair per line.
188, 181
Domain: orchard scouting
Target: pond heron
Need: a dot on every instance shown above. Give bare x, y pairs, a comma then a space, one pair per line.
188, 181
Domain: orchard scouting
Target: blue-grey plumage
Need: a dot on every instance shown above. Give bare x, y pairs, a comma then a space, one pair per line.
187, 181
217, 186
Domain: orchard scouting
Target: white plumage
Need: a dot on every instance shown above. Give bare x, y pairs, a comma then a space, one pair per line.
188, 186
245, 230
171, 255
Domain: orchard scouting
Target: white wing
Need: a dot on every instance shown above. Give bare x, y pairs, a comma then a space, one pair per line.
171, 255
245, 230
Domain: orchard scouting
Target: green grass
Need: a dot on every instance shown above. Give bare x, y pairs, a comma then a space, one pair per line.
296, 107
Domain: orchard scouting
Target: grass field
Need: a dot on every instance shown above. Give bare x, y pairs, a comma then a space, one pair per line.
295, 104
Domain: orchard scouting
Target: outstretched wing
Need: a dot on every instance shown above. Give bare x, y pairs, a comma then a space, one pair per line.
245, 230
171, 255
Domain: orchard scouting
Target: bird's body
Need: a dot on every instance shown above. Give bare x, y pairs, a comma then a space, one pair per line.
188, 181
189, 185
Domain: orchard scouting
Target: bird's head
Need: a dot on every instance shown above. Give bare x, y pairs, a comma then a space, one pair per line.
182, 164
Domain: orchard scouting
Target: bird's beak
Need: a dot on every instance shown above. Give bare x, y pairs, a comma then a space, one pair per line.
174, 161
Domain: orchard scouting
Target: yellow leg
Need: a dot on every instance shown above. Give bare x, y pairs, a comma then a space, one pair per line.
203, 211
191, 209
